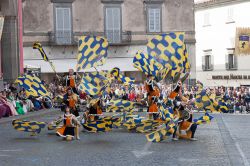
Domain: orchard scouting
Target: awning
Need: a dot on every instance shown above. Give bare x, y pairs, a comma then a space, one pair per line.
63, 65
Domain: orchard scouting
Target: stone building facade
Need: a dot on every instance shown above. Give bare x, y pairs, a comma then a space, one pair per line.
9, 42
127, 24
216, 24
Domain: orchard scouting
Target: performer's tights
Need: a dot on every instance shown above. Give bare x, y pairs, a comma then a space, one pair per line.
193, 129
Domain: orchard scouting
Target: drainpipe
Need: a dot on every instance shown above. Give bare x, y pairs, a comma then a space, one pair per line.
20, 25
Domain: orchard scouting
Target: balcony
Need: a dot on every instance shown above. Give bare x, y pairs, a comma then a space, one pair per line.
61, 38
117, 38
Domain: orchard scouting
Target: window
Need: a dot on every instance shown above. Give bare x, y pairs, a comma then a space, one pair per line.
113, 24
230, 15
154, 19
231, 62
207, 61
206, 19
63, 25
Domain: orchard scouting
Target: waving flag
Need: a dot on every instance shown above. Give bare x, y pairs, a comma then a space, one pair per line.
96, 78
92, 52
202, 101
38, 46
116, 73
149, 66
32, 85
186, 63
168, 50
204, 119
161, 134
124, 105
28, 126
93, 83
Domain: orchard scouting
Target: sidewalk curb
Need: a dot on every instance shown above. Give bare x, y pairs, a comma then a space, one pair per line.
29, 115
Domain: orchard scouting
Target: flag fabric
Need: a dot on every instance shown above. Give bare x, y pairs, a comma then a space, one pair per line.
147, 125
28, 126
101, 125
38, 46
160, 134
168, 50
202, 101
96, 78
120, 104
186, 63
32, 85
92, 52
204, 119
146, 64
149, 66
93, 83
116, 73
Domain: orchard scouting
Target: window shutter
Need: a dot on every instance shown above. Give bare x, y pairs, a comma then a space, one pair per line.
63, 26
67, 26
230, 14
154, 19
211, 62
59, 19
113, 25
235, 62
206, 18
157, 20
203, 63
226, 61
151, 20
109, 24
116, 23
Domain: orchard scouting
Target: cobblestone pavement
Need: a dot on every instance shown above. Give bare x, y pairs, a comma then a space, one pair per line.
225, 141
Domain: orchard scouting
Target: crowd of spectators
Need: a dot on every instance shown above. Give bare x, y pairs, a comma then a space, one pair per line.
13, 99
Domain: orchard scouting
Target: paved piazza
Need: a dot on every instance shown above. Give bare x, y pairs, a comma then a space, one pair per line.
225, 141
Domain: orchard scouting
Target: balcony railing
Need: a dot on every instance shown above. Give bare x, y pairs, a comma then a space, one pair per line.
61, 38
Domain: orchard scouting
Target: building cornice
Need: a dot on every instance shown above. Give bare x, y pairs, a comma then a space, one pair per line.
217, 3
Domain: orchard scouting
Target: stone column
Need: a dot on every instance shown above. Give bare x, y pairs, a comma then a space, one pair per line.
10, 50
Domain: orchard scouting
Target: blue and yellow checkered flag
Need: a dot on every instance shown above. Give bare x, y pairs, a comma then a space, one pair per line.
116, 73
93, 83
32, 85
149, 66
168, 50
204, 119
202, 101
28, 126
92, 52
97, 78
162, 133
186, 63
119, 104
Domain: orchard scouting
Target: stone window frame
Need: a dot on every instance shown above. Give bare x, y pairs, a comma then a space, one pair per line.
207, 53
234, 66
62, 4
112, 4
155, 4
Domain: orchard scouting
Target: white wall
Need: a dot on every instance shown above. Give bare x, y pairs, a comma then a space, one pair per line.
218, 37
